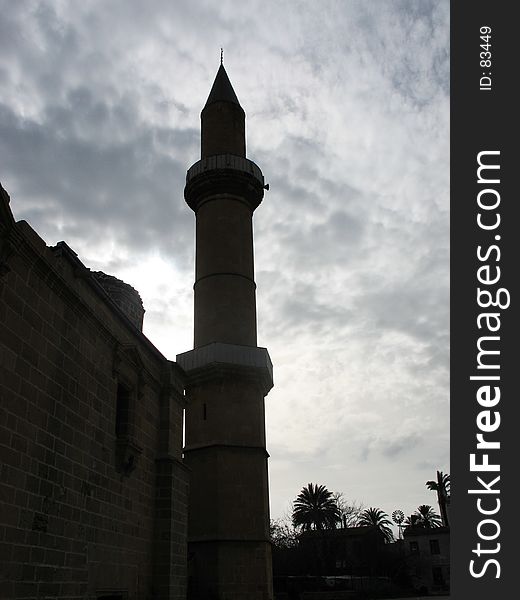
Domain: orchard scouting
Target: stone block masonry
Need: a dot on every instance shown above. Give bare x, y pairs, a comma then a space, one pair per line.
93, 491
227, 375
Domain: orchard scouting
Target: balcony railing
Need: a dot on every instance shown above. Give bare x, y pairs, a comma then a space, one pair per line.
225, 162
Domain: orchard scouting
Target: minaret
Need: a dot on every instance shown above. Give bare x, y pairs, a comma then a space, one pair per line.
229, 552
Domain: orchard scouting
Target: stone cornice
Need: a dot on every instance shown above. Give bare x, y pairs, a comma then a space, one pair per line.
225, 446
222, 361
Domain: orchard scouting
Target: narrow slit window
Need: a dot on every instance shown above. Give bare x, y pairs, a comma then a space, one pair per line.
122, 410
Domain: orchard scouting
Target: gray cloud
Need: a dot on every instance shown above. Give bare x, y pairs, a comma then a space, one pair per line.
134, 184
347, 108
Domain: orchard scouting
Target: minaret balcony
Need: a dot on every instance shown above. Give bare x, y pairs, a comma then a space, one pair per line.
219, 359
225, 162
224, 174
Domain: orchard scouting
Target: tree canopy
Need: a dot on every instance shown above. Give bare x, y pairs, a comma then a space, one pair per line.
282, 535
315, 508
375, 517
443, 488
424, 517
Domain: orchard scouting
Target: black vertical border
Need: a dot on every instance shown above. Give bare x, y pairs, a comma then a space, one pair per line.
484, 120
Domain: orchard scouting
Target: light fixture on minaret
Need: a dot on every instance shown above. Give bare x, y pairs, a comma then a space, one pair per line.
228, 375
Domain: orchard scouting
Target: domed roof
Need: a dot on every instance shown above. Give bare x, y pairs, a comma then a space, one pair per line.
124, 295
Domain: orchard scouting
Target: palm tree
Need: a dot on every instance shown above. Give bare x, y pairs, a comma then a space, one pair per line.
442, 486
315, 508
427, 517
412, 521
375, 517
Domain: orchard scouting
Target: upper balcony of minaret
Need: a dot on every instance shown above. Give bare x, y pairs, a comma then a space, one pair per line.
224, 174
223, 168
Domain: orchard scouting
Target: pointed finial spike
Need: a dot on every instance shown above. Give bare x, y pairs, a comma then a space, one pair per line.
222, 56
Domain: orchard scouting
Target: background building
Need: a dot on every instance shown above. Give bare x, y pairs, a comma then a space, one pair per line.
428, 558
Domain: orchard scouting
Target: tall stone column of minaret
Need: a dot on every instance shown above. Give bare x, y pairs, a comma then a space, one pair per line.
229, 553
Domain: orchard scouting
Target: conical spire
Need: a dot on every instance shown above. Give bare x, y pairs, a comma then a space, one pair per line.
223, 120
222, 90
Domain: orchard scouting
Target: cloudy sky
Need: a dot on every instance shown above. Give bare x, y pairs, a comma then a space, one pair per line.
347, 107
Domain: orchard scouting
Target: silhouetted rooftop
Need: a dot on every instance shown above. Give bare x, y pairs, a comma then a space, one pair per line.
222, 90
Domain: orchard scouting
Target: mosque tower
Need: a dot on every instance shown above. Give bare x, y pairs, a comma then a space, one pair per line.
228, 375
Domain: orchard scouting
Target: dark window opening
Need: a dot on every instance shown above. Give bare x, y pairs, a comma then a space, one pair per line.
434, 547
122, 415
414, 547
204, 411
438, 579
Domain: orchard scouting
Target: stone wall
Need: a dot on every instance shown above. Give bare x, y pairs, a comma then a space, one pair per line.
86, 511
